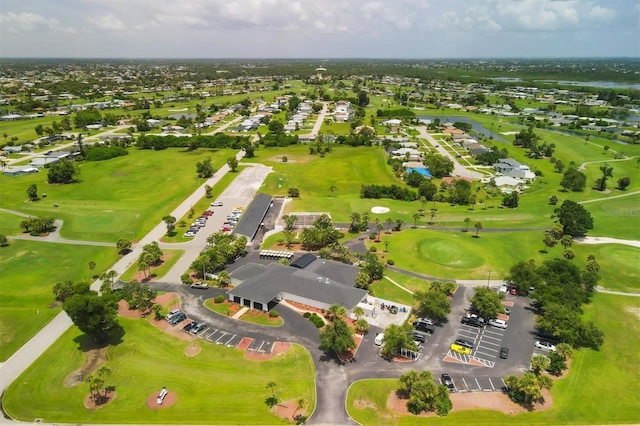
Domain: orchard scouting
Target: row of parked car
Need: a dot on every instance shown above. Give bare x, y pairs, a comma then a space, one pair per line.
232, 220
176, 316
199, 223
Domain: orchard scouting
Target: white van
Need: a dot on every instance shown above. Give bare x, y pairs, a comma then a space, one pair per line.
378, 340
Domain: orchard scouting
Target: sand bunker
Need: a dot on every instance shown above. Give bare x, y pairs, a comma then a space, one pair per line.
379, 210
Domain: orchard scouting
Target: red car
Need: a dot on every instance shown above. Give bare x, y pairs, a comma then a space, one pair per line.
513, 291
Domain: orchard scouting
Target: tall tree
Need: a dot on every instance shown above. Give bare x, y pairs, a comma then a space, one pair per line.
94, 315
337, 337
574, 218
478, 227
433, 304
486, 302
32, 192
170, 221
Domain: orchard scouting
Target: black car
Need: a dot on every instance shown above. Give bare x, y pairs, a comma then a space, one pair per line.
473, 321
504, 352
424, 324
465, 343
187, 327
419, 337
448, 382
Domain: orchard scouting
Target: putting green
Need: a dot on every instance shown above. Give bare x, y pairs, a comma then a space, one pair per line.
448, 253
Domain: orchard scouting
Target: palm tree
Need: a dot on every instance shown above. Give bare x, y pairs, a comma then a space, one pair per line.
433, 213
416, 216
358, 312
478, 227
467, 221
389, 223
300, 403
569, 254
380, 228
338, 311
566, 241
142, 266
564, 350
361, 325
333, 189
355, 222
423, 201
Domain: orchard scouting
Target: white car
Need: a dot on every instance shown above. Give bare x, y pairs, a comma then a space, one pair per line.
498, 323
189, 235
216, 204
378, 340
545, 346
503, 289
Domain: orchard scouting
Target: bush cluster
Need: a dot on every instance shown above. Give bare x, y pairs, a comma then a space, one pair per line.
219, 298
316, 320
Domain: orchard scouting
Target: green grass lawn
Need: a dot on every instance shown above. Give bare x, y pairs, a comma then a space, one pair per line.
29, 271
602, 386
457, 255
121, 197
217, 386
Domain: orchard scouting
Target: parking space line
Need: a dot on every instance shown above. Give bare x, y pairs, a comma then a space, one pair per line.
503, 383
465, 383
224, 333
491, 383
492, 336
485, 354
230, 339
484, 342
477, 383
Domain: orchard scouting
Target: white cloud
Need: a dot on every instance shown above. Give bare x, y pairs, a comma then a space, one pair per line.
27, 21
599, 12
107, 22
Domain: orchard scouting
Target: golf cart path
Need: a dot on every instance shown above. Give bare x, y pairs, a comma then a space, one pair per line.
609, 198
54, 237
583, 165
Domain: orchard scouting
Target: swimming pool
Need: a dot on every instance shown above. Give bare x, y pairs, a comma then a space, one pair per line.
422, 170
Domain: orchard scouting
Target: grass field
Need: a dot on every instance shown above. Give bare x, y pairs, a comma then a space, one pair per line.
457, 255
218, 386
29, 271
601, 388
121, 197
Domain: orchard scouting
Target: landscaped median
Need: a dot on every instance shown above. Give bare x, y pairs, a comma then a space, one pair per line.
222, 306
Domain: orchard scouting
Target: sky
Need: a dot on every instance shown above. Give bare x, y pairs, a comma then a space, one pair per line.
419, 29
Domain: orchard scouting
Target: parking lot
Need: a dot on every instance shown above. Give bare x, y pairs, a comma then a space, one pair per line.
477, 384
235, 340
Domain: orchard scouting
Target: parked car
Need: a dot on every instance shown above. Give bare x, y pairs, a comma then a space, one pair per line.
187, 327
513, 291
473, 321
464, 342
198, 328
507, 311
378, 340
545, 346
493, 322
172, 313
216, 204
448, 382
504, 352
419, 337
503, 289
424, 324
200, 285
178, 318
189, 234
460, 349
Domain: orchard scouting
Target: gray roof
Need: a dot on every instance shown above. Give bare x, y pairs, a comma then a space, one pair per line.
275, 279
253, 216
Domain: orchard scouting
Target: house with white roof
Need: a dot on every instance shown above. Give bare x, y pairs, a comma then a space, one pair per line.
511, 167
